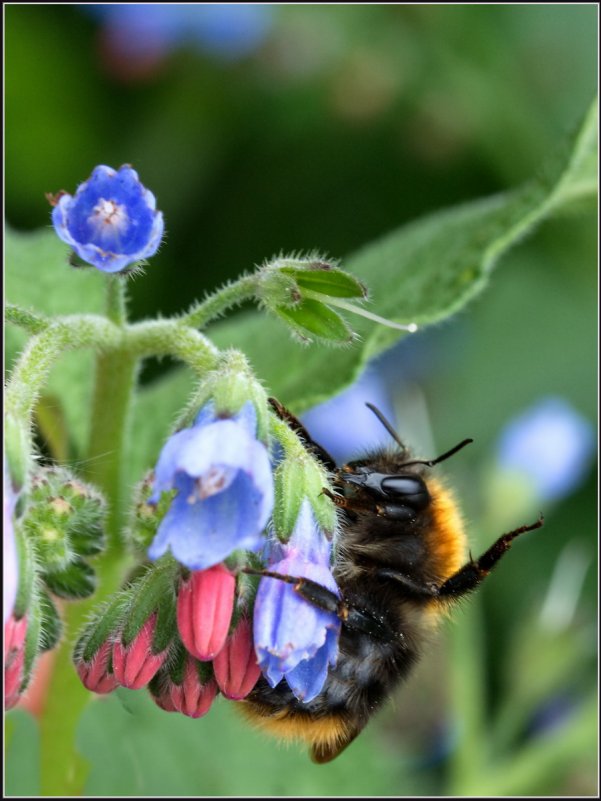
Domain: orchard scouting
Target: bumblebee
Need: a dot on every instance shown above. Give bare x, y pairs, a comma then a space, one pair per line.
399, 565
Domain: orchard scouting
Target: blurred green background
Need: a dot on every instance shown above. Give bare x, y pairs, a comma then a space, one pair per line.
336, 125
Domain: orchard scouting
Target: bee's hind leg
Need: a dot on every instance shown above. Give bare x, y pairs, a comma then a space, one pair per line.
467, 577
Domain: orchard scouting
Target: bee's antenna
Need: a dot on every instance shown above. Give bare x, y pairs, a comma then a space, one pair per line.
385, 423
395, 436
432, 462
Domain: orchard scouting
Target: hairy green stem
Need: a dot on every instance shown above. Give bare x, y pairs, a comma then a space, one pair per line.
166, 337
219, 302
63, 770
32, 322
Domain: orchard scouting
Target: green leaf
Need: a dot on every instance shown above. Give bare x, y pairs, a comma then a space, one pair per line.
422, 272
39, 278
153, 753
22, 755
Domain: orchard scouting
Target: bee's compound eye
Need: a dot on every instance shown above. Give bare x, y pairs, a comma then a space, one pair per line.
410, 490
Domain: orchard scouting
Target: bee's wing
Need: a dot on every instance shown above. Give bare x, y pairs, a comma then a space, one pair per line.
322, 753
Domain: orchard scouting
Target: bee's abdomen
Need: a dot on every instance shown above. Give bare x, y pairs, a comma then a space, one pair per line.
365, 674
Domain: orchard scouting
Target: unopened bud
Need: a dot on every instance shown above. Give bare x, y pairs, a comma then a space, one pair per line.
205, 605
96, 675
135, 664
194, 696
235, 666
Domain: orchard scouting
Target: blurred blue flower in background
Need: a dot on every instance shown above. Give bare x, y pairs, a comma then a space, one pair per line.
137, 37
551, 444
344, 425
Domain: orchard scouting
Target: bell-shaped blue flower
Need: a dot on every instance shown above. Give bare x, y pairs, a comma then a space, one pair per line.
293, 637
224, 484
111, 221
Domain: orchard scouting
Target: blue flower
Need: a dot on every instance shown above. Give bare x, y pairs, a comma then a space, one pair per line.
294, 638
551, 444
224, 484
111, 221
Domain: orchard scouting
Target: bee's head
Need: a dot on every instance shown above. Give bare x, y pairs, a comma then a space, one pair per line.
396, 484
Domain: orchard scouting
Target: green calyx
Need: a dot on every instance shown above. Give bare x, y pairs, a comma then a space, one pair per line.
154, 592
229, 387
301, 293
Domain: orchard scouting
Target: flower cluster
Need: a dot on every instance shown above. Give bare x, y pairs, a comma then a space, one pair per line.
218, 476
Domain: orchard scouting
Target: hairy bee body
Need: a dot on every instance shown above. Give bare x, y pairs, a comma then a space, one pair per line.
429, 548
399, 564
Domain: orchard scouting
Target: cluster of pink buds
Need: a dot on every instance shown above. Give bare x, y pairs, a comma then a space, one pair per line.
213, 653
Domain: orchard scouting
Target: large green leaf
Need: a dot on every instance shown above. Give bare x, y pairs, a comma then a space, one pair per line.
422, 272
153, 753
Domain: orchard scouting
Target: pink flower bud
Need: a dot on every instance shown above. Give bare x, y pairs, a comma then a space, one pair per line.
235, 666
193, 697
205, 604
163, 700
15, 632
95, 674
134, 665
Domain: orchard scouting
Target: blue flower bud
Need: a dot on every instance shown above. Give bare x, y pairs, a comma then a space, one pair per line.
111, 221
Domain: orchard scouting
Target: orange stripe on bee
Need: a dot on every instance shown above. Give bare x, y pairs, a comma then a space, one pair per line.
327, 731
445, 540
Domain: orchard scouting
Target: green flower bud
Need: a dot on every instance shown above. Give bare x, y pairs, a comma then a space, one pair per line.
64, 519
229, 387
302, 292
297, 478
145, 518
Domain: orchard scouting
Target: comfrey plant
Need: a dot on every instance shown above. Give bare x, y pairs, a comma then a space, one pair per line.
233, 486
161, 549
